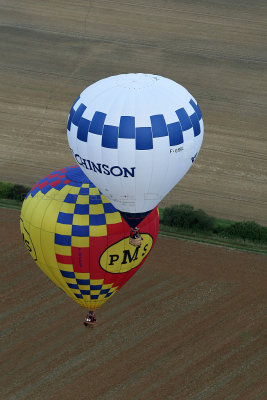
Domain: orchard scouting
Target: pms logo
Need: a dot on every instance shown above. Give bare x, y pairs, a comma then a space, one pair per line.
27, 240
122, 256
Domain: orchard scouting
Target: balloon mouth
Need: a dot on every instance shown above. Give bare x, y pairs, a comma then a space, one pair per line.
134, 219
75, 174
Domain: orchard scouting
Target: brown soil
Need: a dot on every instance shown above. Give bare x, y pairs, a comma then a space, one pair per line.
52, 50
189, 325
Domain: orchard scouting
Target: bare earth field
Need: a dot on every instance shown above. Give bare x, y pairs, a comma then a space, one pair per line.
189, 325
51, 50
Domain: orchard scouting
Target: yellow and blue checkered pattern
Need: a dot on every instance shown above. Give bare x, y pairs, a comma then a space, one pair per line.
69, 229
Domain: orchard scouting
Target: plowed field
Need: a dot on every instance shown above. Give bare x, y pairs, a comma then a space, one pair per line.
51, 50
189, 325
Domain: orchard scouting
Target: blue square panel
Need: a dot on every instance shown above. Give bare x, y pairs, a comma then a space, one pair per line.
83, 282
63, 240
85, 292
72, 112
67, 274
71, 115
196, 108
104, 291
110, 137
71, 198
144, 140
84, 191
127, 127
97, 123
83, 129
109, 208
98, 219
72, 285
80, 230
78, 114
195, 122
65, 218
175, 134
184, 119
158, 126
95, 199
81, 209
95, 287
46, 189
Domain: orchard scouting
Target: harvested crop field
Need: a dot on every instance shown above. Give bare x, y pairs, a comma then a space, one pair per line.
52, 50
188, 325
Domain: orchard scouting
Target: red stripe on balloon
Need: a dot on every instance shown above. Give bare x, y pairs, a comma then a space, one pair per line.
64, 259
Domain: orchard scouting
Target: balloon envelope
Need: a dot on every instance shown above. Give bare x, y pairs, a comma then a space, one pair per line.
135, 136
79, 240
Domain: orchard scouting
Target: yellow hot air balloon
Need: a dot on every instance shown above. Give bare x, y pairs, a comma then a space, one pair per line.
79, 240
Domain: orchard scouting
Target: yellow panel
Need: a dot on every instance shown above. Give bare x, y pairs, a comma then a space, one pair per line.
39, 212
113, 218
101, 297
25, 206
86, 297
48, 246
104, 199
94, 292
67, 208
74, 190
82, 275
96, 231
35, 239
58, 195
77, 241
52, 210
82, 199
80, 220
63, 229
65, 267
93, 304
96, 209
93, 191
77, 291
85, 185
70, 280
97, 281
63, 250
30, 205
107, 286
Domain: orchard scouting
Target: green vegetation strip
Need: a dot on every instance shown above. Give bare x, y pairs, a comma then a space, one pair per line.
197, 237
179, 221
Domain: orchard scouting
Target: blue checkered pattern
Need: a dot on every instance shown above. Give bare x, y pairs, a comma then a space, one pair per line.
87, 287
143, 136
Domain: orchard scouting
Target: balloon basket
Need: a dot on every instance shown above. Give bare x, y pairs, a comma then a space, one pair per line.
90, 320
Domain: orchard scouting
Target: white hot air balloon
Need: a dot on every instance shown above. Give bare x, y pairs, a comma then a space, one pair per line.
135, 136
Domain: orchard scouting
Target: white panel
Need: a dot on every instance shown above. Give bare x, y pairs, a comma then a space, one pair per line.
126, 157
144, 162
161, 153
